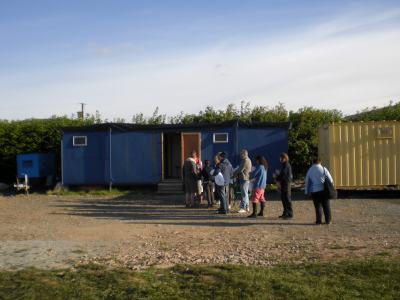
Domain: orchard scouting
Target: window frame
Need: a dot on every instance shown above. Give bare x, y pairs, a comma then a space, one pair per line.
221, 142
79, 145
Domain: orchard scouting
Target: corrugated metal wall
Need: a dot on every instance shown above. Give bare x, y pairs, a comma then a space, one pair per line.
86, 165
362, 154
269, 142
136, 156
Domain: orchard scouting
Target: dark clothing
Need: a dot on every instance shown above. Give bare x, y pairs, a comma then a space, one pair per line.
205, 174
220, 191
190, 176
226, 170
286, 199
320, 199
285, 178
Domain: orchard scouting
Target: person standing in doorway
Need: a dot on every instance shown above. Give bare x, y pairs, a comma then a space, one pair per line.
244, 180
226, 170
314, 187
260, 183
284, 179
190, 176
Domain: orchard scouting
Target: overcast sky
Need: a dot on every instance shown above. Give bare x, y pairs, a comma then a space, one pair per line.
124, 57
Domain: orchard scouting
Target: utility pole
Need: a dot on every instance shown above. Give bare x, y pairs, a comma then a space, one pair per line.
81, 114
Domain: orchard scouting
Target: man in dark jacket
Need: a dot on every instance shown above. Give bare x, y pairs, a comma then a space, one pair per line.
284, 179
227, 171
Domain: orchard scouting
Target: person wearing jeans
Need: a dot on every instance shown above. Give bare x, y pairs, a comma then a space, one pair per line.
244, 175
220, 186
226, 171
314, 187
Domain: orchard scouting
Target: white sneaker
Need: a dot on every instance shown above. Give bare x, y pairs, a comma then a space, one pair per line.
242, 211
247, 209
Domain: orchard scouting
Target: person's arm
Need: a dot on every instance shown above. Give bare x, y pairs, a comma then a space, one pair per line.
306, 183
328, 175
255, 173
239, 170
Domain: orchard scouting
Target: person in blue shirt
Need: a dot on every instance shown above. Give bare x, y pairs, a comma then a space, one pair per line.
259, 175
314, 187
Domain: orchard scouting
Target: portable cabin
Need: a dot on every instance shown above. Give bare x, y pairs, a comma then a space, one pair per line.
362, 155
131, 154
36, 165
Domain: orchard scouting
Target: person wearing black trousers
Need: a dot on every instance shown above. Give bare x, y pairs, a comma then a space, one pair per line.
284, 179
314, 187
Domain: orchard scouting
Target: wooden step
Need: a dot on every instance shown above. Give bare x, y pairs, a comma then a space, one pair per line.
170, 186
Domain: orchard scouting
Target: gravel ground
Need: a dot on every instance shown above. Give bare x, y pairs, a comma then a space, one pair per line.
140, 231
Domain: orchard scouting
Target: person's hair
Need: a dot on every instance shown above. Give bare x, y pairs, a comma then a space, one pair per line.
285, 156
193, 153
316, 160
244, 151
217, 159
222, 154
206, 162
262, 161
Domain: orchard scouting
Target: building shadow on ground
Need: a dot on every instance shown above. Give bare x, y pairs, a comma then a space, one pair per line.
156, 209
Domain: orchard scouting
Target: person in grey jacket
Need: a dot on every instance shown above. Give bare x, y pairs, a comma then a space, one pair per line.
314, 187
244, 180
226, 169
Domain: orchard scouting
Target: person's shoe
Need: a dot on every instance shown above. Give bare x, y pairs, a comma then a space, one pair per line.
261, 214
287, 217
248, 209
242, 211
220, 212
318, 223
282, 216
253, 215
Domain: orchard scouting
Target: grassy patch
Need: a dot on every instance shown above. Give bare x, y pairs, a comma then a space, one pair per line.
372, 279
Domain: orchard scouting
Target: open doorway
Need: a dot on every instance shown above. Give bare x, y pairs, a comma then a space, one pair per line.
172, 155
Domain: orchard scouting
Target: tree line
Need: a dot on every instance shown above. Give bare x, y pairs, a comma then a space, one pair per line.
44, 135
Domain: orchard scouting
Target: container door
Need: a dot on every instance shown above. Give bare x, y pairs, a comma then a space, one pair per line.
190, 141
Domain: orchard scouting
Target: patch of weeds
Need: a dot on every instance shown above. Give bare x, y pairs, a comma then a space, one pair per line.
78, 251
336, 247
18, 251
355, 248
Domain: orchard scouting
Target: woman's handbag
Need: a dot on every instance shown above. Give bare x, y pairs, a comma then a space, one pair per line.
329, 188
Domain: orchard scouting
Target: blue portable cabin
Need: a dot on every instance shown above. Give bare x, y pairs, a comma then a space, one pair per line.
36, 165
131, 154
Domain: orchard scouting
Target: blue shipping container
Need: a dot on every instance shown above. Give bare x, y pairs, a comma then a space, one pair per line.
129, 154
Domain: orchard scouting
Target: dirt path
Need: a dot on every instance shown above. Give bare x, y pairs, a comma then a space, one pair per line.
138, 231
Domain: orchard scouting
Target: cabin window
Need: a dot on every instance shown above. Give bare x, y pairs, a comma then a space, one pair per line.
80, 141
27, 164
385, 132
220, 138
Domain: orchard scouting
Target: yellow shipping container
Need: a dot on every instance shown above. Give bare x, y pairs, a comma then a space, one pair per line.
361, 154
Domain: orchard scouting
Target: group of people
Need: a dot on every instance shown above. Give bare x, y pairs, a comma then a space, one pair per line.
213, 184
